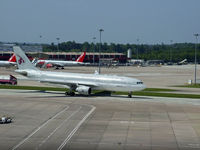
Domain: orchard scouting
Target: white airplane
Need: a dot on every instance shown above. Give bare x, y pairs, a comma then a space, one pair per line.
183, 62
60, 63
81, 83
10, 62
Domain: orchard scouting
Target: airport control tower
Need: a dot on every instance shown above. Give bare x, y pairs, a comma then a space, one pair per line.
129, 53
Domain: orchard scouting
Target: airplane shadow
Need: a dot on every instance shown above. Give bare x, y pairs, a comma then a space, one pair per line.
100, 94
38, 91
133, 97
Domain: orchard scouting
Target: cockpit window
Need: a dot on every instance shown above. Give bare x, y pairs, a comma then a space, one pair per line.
139, 82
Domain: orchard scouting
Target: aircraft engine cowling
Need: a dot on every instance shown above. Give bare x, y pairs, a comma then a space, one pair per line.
85, 90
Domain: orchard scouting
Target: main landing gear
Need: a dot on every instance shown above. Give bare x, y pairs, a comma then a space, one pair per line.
70, 93
130, 95
57, 67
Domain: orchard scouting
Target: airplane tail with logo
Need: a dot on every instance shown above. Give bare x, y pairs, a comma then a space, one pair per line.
81, 58
22, 60
12, 58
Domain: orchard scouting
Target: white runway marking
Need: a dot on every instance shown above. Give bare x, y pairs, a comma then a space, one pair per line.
58, 127
75, 129
39, 128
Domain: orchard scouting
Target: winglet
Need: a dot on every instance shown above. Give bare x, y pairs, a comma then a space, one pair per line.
81, 58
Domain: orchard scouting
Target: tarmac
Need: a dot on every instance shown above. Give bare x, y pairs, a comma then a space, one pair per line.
50, 120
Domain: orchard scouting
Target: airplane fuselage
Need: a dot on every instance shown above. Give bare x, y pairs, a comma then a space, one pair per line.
6, 63
95, 81
61, 63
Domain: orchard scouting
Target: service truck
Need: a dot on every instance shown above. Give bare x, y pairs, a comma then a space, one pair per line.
8, 79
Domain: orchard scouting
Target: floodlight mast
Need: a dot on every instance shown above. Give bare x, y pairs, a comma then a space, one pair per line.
100, 30
39, 54
195, 59
137, 47
94, 38
171, 51
57, 46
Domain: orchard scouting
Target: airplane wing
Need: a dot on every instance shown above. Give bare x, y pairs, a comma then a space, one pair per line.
69, 83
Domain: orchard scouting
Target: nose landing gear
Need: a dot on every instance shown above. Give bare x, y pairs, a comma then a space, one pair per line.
130, 95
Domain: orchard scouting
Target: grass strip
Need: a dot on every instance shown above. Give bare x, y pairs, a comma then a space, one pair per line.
190, 86
146, 92
175, 95
158, 90
65, 89
32, 88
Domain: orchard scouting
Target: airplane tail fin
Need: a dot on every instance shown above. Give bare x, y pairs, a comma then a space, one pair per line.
81, 58
12, 58
22, 60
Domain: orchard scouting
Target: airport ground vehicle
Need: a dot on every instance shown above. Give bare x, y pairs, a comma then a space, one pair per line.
8, 80
5, 119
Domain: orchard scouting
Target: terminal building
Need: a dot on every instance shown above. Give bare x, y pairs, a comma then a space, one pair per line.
90, 57
36, 51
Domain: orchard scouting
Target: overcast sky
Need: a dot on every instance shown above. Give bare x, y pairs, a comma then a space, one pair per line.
123, 21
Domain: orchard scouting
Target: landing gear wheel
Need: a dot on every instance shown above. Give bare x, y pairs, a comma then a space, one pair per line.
70, 93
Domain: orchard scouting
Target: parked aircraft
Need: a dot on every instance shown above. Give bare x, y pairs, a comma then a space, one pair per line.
10, 62
81, 83
60, 63
183, 62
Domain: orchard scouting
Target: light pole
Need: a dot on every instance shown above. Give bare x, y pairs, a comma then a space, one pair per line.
195, 59
171, 51
38, 49
100, 30
137, 47
94, 38
58, 47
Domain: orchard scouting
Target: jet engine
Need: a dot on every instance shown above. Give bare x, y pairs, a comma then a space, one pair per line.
85, 90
